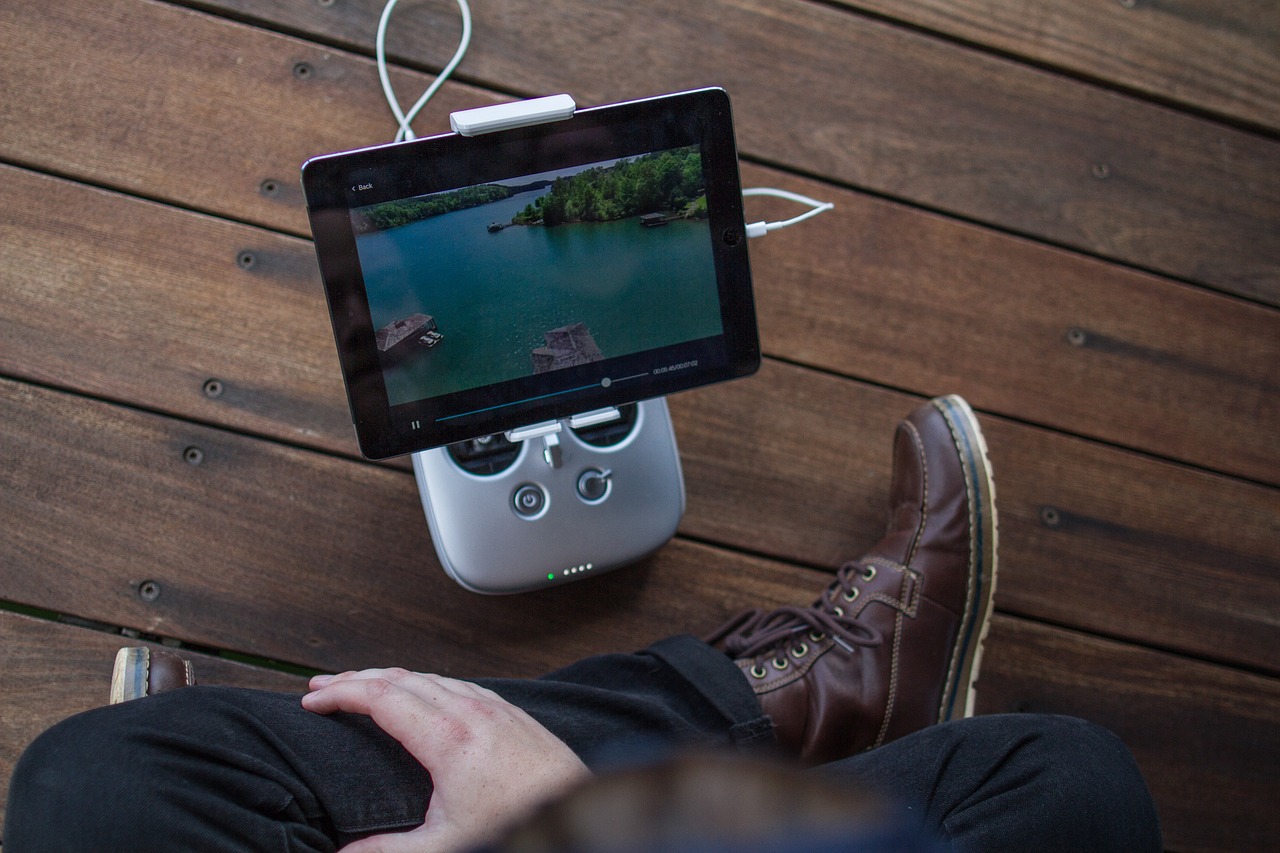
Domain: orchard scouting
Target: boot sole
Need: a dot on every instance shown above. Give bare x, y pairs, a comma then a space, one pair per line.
984, 532
130, 673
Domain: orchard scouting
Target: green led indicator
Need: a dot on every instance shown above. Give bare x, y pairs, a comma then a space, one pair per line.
551, 576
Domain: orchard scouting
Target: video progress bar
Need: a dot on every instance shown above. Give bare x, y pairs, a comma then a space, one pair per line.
603, 383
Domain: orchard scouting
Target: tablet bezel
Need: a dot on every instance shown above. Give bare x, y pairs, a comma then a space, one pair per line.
336, 183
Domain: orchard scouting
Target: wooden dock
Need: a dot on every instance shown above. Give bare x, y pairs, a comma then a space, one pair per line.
1068, 212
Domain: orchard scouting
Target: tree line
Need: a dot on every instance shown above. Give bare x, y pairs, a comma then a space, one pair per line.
392, 214
652, 183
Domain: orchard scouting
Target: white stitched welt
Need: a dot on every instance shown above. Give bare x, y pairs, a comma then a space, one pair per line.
893, 680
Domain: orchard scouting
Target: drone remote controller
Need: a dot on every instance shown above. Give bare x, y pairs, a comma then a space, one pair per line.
572, 501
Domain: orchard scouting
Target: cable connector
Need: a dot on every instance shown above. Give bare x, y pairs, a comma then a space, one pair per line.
759, 229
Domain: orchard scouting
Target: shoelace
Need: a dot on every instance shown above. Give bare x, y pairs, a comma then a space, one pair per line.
754, 631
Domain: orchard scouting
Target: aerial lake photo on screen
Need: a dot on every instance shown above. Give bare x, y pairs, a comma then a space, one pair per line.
495, 282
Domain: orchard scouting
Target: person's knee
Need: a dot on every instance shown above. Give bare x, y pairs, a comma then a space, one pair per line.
1078, 778
116, 769
1086, 760
76, 768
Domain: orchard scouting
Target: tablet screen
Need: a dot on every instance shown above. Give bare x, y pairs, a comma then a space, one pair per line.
478, 284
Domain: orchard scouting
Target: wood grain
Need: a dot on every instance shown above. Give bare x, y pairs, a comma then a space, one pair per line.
1035, 208
211, 115
1091, 537
870, 104
246, 548
299, 556
876, 290
134, 301
1218, 56
870, 290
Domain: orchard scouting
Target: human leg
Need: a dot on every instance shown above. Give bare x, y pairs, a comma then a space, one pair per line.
1014, 782
226, 769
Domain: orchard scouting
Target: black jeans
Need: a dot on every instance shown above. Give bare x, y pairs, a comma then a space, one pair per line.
209, 768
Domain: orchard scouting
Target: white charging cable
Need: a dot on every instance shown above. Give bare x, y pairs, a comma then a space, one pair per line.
759, 229
403, 118
405, 132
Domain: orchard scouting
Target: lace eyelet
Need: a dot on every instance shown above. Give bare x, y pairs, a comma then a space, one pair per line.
839, 611
800, 651
816, 636
758, 671
869, 573
852, 594
781, 663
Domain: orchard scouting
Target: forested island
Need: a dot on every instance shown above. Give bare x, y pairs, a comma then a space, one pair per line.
393, 214
665, 181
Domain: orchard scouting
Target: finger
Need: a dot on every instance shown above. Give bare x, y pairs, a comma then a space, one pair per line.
441, 691
371, 672
397, 711
318, 681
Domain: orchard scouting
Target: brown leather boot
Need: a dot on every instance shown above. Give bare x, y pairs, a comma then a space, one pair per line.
894, 643
141, 671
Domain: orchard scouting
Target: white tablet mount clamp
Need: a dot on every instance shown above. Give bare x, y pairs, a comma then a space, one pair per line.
556, 501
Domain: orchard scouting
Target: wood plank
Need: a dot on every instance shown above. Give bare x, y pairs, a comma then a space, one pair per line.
224, 301
283, 550
205, 113
920, 302
889, 110
286, 385
331, 566
897, 112
137, 302
1221, 57
1207, 739
795, 466
50, 671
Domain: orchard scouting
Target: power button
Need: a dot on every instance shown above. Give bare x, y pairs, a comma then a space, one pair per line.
529, 500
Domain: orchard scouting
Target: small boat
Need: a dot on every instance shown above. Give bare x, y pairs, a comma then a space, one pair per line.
430, 339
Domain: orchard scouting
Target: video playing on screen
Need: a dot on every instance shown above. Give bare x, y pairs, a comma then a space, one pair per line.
479, 284
498, 281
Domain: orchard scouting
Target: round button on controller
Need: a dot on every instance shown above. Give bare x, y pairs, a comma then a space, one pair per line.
593, 485
529, 501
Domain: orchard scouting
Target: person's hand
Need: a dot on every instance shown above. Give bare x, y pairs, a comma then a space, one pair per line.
490, 762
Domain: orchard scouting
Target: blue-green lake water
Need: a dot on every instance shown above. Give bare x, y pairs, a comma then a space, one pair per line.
493, 295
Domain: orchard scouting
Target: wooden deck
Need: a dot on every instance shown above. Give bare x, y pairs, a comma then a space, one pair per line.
1067, 212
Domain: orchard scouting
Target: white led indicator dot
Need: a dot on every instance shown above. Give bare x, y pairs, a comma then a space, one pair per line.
606, 382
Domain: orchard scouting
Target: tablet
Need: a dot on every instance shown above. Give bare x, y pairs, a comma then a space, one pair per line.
478, 284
